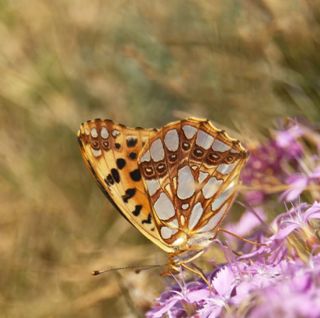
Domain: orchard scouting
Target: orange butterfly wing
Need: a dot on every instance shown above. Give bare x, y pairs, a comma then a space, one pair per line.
110, 151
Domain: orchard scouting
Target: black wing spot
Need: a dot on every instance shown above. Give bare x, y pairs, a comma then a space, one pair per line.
109, 180
135, 175
117, 145
121, 163
148, 220
115, 175
128, 195
137, 210
131, 142
133, 155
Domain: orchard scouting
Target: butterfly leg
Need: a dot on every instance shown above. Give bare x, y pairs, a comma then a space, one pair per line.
170, 269
197, 271
240, 237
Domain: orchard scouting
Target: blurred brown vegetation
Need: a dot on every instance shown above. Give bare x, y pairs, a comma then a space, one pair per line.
142, 63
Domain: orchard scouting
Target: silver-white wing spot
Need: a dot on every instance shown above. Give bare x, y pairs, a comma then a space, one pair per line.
217, 203
96, 153
220, 146
145, 157
104, 133
171, 140
186, 184
211, 187
115, 133
225, 168
195, 215
94, 133
153, 186
212, 223
167, 232
173, 224
204, 140
164, 207
202, 176
156, 150
189, 131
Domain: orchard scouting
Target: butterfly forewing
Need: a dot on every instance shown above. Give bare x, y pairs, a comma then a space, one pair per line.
111, 150
190, 170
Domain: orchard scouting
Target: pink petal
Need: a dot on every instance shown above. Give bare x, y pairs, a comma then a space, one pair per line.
224, 281
197, 295
295, 188
313, 212
283, 233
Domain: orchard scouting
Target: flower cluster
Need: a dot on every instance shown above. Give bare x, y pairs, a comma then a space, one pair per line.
280, 276
288, 163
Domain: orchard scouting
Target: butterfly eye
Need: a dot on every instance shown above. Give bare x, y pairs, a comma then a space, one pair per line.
185, 146
95, 145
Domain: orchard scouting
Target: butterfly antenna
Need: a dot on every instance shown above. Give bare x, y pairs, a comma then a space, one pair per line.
240, 237
136, 268
251, 209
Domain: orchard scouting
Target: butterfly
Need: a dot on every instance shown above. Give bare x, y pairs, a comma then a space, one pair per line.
174, 184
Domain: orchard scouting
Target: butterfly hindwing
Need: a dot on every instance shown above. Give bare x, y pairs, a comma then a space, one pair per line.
111, 150
190, 170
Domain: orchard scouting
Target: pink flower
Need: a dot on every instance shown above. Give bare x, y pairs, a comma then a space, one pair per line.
290, 287
296, 218
299, 182
285, 139
290, 158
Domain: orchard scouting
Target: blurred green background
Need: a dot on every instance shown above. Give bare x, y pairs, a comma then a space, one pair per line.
242, 64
